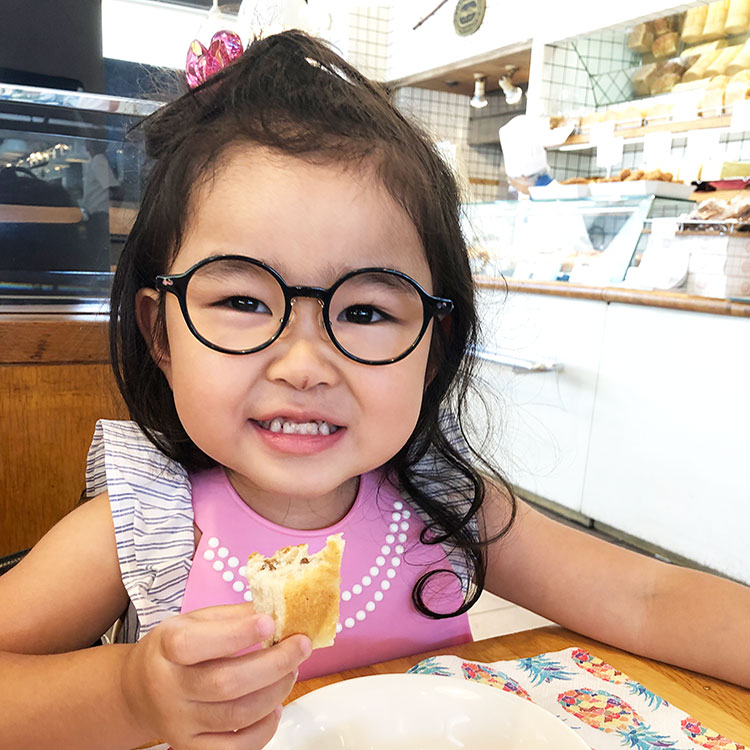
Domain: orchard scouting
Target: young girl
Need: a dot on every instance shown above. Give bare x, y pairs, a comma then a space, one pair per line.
291, 315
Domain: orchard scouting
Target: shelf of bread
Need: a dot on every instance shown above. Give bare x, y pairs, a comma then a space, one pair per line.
694, 70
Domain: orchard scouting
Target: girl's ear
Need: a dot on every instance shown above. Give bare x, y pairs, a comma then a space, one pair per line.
147, 317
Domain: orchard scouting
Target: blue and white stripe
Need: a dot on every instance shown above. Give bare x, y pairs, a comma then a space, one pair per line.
152, 510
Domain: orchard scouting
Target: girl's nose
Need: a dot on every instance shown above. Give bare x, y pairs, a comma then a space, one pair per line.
304, 354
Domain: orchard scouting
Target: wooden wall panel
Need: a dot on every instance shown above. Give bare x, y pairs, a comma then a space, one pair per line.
47, 418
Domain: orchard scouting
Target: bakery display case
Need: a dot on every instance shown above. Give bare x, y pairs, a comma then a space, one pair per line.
70, 184
592, 241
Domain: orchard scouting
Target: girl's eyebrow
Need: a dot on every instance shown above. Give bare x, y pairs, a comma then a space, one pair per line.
331, 271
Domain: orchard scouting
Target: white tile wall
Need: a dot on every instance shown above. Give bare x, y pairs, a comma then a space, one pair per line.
443, 115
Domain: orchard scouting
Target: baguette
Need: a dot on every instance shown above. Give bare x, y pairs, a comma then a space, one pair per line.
300, 591
695, 20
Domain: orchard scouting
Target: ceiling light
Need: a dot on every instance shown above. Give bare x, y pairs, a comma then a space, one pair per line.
512, 92
479, 100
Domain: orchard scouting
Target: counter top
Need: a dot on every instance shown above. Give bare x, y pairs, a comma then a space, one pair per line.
672, 300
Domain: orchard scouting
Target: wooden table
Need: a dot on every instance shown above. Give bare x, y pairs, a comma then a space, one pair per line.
720, 706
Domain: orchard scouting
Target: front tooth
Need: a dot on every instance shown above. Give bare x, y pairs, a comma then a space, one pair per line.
276, 425
324, 429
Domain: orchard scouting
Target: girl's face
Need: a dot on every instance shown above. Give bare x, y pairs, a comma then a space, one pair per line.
312, 223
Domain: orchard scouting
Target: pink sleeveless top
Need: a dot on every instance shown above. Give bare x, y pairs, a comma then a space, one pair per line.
383, 559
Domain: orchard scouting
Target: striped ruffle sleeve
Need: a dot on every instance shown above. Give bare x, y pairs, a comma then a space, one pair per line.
151, 502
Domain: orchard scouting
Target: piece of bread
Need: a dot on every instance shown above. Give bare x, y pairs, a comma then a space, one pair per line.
741, 61
300, 591
698, 69
695, 20
644, 77
689, 55
666, 45
738, 17
716, 19
720, 65
738, 88
641, 38
663, 25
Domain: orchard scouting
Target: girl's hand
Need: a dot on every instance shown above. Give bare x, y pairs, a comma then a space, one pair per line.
185, 682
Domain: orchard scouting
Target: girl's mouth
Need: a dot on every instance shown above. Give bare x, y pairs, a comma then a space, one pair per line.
290, 427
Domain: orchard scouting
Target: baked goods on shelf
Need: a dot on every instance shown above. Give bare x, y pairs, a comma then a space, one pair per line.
625, 175
700, 67
643, 79
641, 38
695, 20
716, 20
738, 88
736, 210
738, 17
668, 76
666, 45
725, 58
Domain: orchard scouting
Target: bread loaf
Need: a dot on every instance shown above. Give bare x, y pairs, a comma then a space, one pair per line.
738, 17
644, 77
700, 85
738, 88
689, 55
719, 66
664, 25
716, 19
666, 45
695, 20
641, 38
665, 82
300, 591
698, 69
741, 61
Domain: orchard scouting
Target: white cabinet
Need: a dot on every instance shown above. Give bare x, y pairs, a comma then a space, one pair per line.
541, 419
670, 436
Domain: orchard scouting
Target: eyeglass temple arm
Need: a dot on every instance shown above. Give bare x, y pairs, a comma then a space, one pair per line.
439, 306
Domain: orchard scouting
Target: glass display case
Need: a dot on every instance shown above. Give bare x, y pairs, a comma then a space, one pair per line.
589, 241
70, 185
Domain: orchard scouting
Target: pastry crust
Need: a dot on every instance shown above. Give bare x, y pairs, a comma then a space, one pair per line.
300, 591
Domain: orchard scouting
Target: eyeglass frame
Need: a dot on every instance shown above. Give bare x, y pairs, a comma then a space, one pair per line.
177, 284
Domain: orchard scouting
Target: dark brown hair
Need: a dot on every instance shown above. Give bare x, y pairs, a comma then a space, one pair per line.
291, 93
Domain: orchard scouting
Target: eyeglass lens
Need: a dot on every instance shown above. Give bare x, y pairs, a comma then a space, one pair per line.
237, 306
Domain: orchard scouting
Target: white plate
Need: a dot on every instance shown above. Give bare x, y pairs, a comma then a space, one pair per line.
418, 712
627, 188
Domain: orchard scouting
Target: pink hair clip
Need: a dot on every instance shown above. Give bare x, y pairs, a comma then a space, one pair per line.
202, 63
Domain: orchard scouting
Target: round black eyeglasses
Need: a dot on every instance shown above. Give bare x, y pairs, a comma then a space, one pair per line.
240, 305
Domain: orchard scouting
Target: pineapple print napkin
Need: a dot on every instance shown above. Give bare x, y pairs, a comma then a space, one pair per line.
605, 707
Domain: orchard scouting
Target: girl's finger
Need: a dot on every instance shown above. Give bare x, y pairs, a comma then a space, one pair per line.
212, 634
228, 679
241, 712
257, 735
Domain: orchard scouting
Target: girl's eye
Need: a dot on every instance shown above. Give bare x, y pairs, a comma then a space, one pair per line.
246, 305
363, 315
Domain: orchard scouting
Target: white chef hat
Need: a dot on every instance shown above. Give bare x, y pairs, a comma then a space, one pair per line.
523, 151
523, 141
